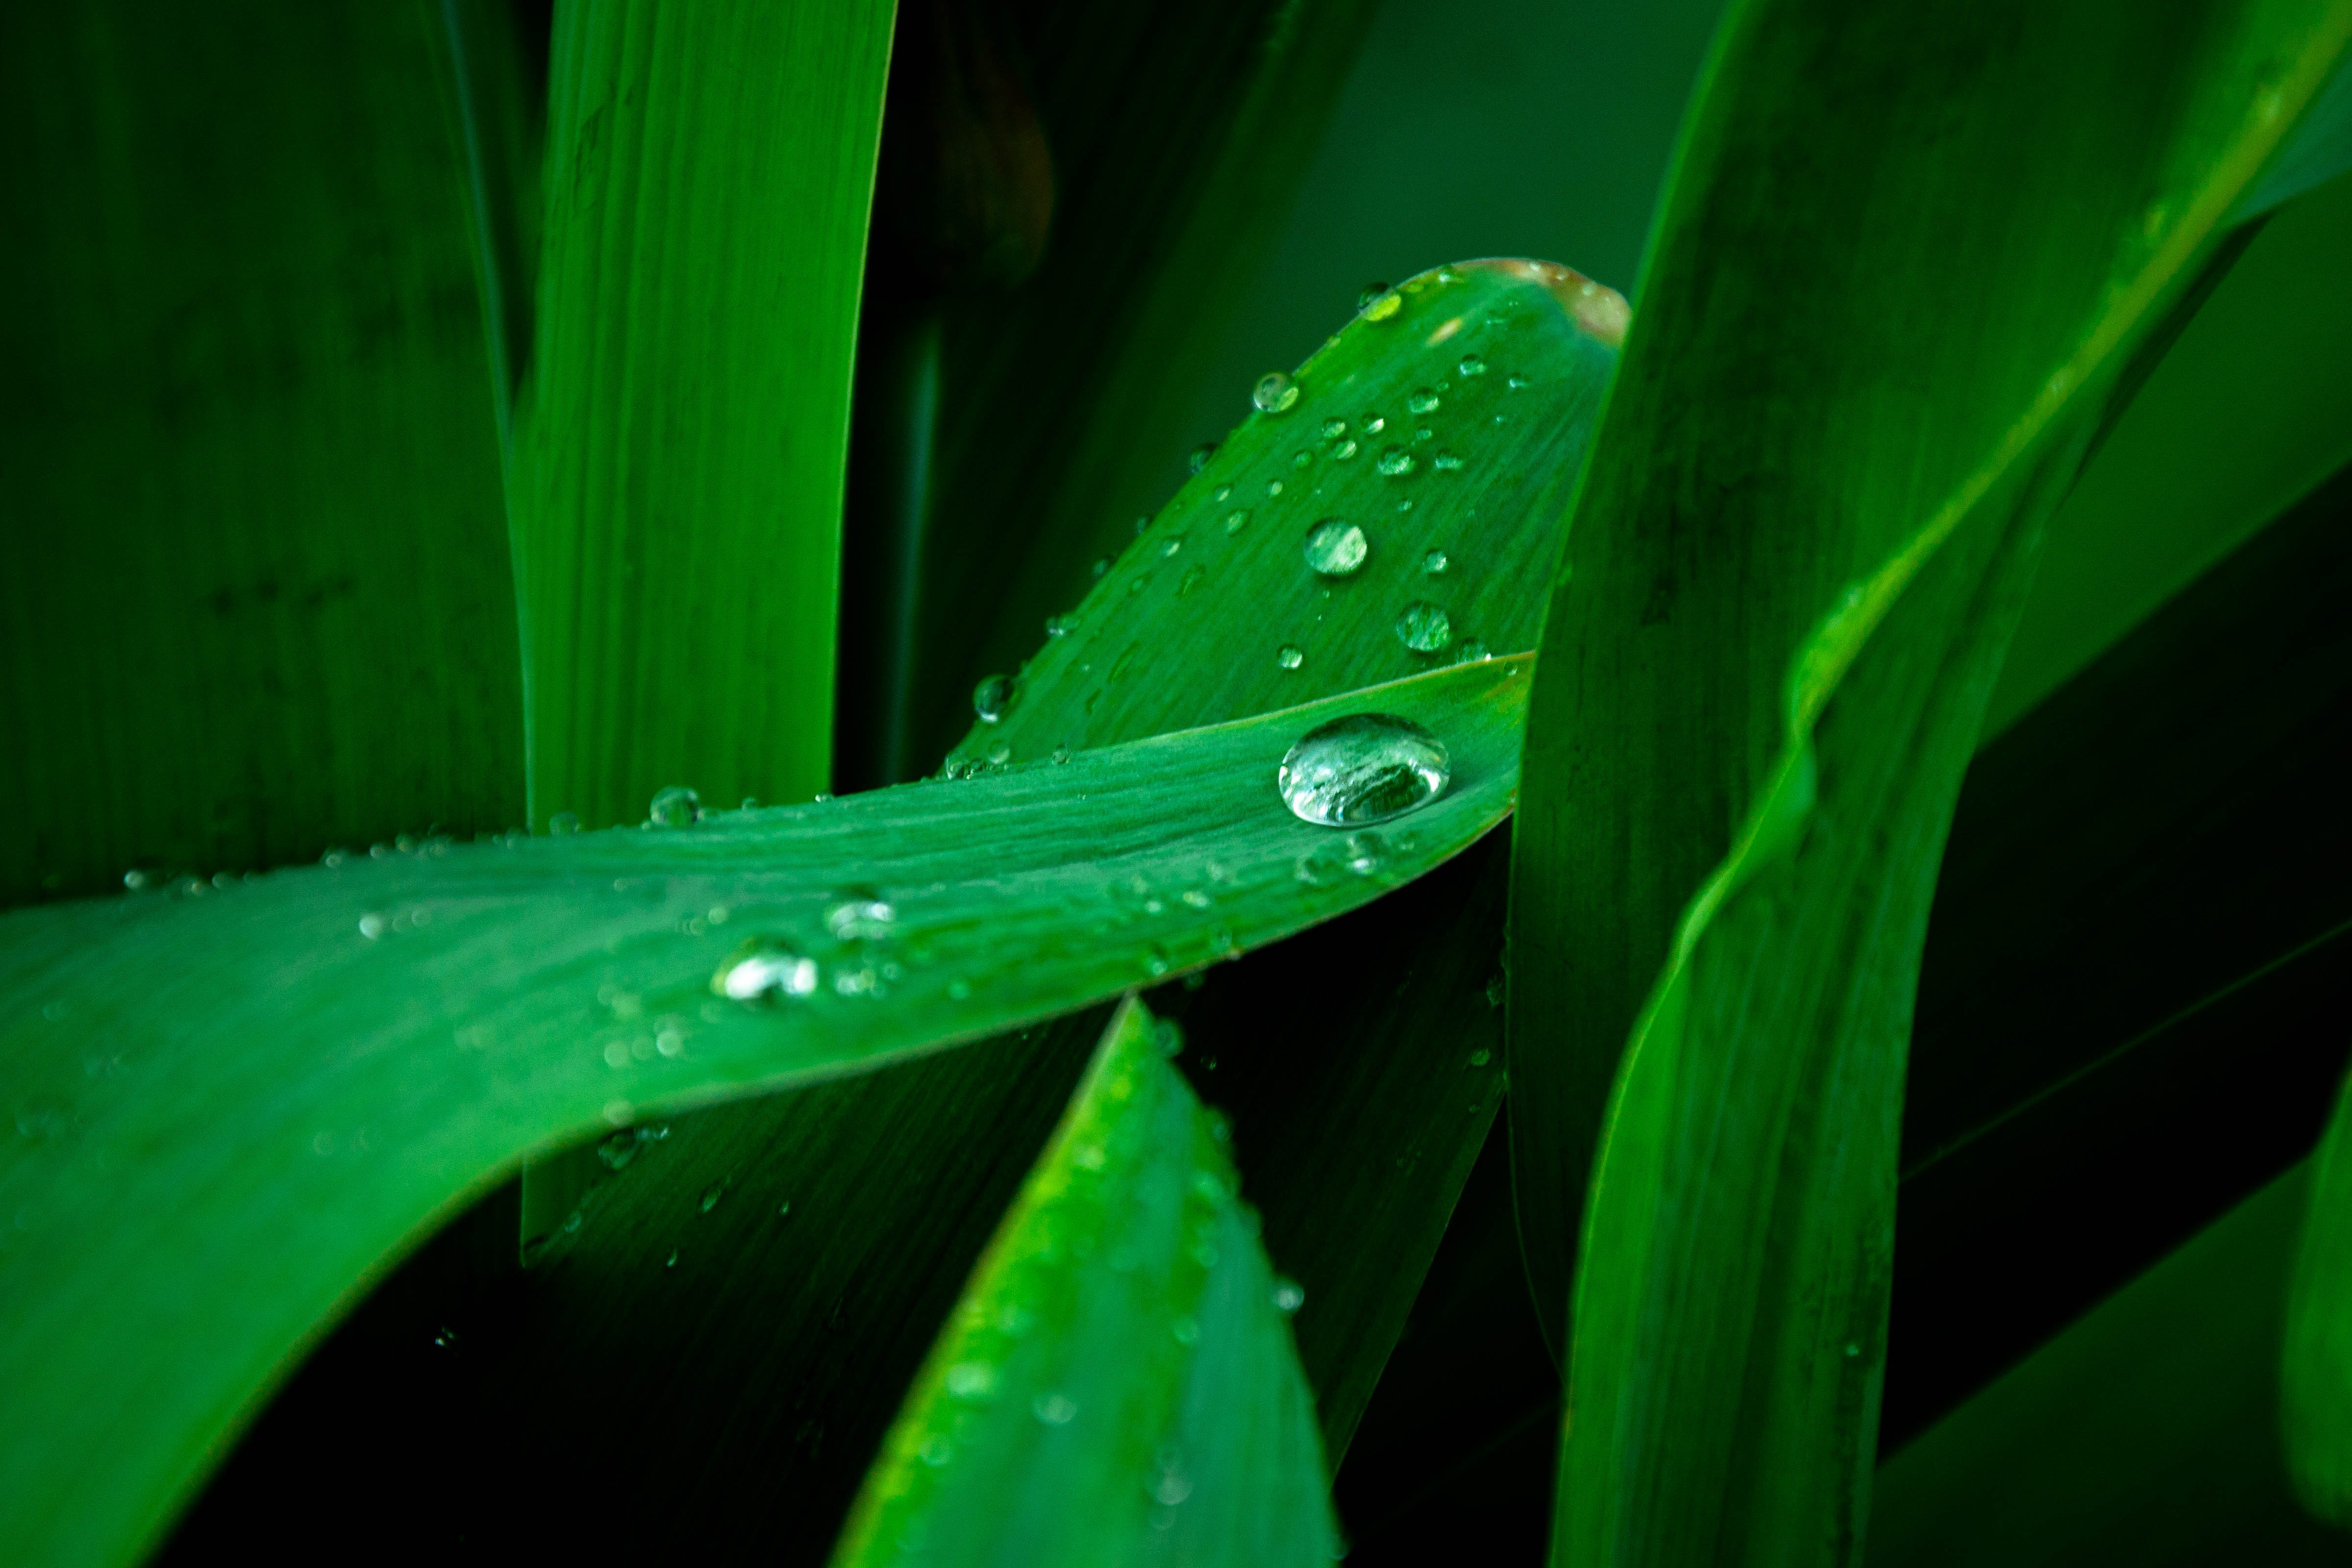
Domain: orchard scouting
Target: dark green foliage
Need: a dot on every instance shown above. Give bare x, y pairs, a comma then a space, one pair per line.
258, 600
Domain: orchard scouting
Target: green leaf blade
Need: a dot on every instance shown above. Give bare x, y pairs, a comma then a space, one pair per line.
1807, 528
262, 1095
1118, 1383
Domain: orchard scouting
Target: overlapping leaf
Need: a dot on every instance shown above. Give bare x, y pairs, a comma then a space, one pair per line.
1118, 1384
256, 1095
1802, 542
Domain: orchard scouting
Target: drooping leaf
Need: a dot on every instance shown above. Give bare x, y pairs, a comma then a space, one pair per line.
2146, 1433
1118, 1384
1806, 527
679, 446
259, 600
233, 1106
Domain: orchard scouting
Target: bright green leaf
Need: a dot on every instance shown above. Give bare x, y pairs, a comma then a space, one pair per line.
680, 445
232, 1108
1808, 520
1118, 1384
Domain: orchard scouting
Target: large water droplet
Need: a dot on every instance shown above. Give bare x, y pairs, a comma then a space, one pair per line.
1369, 292
765, 970
1423, 627
1422, 401
676, 807
1275, 393
1290, 656
1335, 548
992, 697
1364, 768
1395, 461
1384, 306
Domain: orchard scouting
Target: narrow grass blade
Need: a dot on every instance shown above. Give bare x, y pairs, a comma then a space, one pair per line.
2315, 1406
678, 461
259, 600
1118, 1384
232, 1108
1808, 523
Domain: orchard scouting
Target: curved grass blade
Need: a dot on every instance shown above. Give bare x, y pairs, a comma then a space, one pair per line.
234, 1107
680, 448
1118, 1384
258, 599
1808, 524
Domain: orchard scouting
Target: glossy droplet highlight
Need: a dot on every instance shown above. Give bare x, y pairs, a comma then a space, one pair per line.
1422, 401
1236, 521
1289, 1295
860, 914
1290, 656
1471, 365
1423, 627
1362, 769
1384, 306
1396, 461
1275, 393
992, 697
676, 807
1332, 429
1369, 292
765, 970
1335, 548
1473, 652
1434, 563
1446, 463
1200, 455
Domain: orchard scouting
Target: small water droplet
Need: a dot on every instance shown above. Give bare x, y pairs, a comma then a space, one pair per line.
1471, 365
1167, 1037
1236, 521
1518, 383
372, 925
1332, 429
1275, 393
1422, 401
972, 1380
1054, 1409
1102, 564
958, 989
446, 1339
1175, 543
1290, 656
1384, 306
713, 1193
1446, 463
1155, 960
1434, 563
1853, 1350
1192, 580
765, 970
1424, 434
563, 822
1344, 451
937, 1450
1396, 461
671, 1262
1495, 991
1061, 753
1061, 626
1481, 1057
1000, 753
1289, 1295
1272, 489
1335, 548
1473, 652
860, 914
1369, 292
1374, 424
1200, 455
992, 697
1423, 627
1362, 769
676, 807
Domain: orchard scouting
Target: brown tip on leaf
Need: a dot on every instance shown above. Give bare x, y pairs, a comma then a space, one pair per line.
1598, 310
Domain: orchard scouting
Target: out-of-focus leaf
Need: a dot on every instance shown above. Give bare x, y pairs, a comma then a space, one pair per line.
680, 444
1807, 525
2316, 1406
231, 1108
2146, 1433
2243, 416
1118, 1383
257, 599
2319, 151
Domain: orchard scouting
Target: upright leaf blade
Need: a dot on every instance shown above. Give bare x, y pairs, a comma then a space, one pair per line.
1118, 1383
680, 460
1805, 530
259, 600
